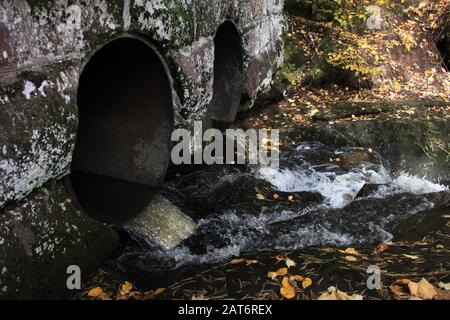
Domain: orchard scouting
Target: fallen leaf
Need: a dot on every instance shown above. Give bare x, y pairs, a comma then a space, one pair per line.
442, 295
237, 261
411, 257
351, 258
397, 290
290, 263
159, 291
334, 294
402, 281
260, 196
272, 275
286, 282
291, 198
282, 272
125, 288
381, 248
352, 251
250, 262
306, 283
276, 196
95, 292
281, 258
423, 290
288, 292
297, 278
445, 286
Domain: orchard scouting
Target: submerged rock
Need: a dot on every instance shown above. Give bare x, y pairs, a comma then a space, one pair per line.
161, 224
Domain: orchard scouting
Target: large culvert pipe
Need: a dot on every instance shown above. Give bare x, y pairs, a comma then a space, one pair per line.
126, 117
228, 76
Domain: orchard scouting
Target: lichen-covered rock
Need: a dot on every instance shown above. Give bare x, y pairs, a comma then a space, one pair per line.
41, 237
38, 121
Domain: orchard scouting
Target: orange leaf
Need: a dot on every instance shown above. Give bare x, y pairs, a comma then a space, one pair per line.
282, 272
306, 283
95, 292
288, 292
125, 288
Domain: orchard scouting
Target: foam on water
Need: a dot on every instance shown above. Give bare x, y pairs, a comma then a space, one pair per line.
406, 183
340, 190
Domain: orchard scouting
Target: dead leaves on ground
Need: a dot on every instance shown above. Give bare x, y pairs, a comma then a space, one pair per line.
422, 290
335, 294
287, 290
125, 292
290, 283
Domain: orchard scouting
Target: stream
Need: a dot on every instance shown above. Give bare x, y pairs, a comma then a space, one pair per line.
318, 197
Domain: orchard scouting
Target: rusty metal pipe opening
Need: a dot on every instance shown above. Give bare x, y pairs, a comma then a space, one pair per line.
126, 115
228, 76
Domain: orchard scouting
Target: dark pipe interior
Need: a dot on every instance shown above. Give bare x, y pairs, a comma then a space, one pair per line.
228, 76
444, 48
122, 149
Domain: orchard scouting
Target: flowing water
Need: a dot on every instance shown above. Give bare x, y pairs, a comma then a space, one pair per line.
318, 197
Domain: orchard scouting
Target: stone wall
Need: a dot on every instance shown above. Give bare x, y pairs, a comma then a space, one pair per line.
43, 48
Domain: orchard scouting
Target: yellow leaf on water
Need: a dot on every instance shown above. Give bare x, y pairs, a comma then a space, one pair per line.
95, 292
125, 288
306, 283
276, 196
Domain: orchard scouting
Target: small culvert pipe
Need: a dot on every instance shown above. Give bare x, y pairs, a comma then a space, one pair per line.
228, 76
